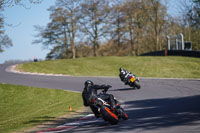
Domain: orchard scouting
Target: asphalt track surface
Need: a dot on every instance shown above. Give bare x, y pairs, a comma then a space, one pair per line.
160, 106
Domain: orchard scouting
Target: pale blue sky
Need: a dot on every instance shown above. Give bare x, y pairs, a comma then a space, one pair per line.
23, 34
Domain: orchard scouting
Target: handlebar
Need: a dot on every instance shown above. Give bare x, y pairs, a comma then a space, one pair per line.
105, 88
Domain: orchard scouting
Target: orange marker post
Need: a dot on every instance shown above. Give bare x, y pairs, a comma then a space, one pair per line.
70, 108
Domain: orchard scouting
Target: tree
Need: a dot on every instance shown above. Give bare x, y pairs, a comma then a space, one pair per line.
54, 35
193, 14
5, 41
94, 21
72, 8
129, 9
60, 33
136, 24
117, 21
191, 22
18, 2
157, 15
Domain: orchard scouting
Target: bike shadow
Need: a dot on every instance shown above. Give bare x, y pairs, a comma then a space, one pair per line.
124, 89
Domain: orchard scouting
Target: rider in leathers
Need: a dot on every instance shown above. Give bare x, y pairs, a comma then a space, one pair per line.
90, 92
123, 75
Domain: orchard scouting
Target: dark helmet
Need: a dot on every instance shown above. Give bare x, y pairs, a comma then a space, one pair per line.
120, 69
88, 83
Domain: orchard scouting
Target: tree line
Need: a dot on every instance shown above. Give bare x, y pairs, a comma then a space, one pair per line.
80, 28
106, 27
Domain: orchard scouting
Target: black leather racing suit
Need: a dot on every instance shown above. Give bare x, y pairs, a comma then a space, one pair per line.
124, 75
90, 92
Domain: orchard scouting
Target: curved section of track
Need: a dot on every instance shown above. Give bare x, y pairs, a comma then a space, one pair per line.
161, 105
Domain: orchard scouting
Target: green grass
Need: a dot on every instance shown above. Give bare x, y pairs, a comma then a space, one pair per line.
22, 107
142, 66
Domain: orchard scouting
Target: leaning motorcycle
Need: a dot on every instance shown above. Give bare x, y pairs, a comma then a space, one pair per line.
129, 78
102, 108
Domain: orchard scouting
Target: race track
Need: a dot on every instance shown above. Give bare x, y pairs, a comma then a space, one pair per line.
161, 105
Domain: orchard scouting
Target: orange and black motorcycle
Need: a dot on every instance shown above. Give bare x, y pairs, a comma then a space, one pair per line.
102, 104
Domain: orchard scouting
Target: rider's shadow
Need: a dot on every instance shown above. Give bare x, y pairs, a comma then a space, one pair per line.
124, 89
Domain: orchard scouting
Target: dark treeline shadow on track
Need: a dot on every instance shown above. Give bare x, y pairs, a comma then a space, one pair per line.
157, 113
152, 114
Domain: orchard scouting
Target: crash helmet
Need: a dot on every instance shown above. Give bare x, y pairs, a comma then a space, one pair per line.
120, 69
88, 83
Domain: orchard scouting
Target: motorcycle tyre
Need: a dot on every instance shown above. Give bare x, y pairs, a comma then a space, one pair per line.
138, 86
109, 116
124, 116
95, 111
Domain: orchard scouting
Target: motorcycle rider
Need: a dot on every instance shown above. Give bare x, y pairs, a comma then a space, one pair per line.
90, 92
123, 75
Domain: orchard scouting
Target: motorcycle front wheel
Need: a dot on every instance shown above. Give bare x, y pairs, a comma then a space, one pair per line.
108, 115
123, 114
137, 85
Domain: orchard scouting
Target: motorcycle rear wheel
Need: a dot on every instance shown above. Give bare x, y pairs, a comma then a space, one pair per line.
108, 115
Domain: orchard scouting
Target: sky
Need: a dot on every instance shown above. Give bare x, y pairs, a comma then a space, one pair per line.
22, 32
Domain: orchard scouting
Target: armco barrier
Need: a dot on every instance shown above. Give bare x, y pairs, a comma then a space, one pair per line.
174, 53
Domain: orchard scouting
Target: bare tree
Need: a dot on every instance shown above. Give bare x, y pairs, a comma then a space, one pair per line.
55, 34
72, 8
157, 14
94, 26
60, 33
117, 21
190, 22
136, 20
5, 41
9, 3
129, 9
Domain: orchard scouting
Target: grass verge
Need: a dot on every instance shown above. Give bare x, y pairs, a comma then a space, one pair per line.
142, 66
23, 107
